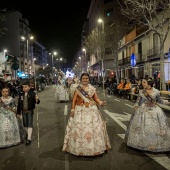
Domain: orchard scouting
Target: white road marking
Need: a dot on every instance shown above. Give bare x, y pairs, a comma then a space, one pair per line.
66, 161
162, 159
66, 110
129, 105
38, 132
117, 100
109, 96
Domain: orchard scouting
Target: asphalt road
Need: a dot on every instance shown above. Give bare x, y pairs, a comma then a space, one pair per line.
45, 152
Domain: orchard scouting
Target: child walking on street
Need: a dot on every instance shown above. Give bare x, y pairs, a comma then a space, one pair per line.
26, 105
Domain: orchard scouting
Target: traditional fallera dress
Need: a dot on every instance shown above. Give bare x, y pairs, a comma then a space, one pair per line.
73, 87
62, 92
86, 133
148, 128
9, 128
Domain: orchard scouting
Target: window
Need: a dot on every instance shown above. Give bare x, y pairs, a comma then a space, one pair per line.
140, 51
108, 51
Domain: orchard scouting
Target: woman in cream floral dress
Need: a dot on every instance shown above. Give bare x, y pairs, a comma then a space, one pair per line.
148, 129
86, 133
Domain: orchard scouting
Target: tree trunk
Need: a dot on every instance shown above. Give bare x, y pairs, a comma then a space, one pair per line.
162, 71
116, 66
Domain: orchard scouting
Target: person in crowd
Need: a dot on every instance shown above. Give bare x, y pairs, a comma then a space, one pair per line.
86, 133
73, 86
138, 86
119, 87
61, 91
132, 78
9, 128
126, 89
148, 128
26, 105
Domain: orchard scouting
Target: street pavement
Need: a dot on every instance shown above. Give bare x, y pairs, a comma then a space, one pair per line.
50, 119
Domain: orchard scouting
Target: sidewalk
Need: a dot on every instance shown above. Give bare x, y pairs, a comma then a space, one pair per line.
166, 107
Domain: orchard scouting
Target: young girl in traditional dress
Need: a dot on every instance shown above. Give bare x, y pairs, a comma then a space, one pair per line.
86, 133
9, 128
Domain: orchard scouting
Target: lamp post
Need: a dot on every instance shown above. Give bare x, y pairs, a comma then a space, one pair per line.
85, 65
102, 50
34, 66
59, 60
52, 56
27, 50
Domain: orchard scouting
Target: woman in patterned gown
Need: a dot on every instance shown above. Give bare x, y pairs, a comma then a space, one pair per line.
9, 128
73, 86
148, 128
86, 133
62, 92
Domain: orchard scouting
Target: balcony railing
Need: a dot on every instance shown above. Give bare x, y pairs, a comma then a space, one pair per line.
126, 61
153, 53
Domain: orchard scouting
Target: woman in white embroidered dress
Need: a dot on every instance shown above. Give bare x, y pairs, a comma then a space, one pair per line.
9, 128
61, 93
86, 133
74, 86
148, 129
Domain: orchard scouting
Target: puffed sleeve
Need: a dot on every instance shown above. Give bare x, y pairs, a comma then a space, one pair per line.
159, 100
74, 100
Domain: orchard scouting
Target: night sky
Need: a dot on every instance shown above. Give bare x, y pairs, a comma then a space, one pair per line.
55, 24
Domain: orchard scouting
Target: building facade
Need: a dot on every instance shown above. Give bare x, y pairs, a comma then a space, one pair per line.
17, 41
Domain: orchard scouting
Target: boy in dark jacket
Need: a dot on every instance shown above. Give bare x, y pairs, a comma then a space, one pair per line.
26, 105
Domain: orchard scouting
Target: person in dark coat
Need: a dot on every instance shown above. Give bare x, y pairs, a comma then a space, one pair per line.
26, 105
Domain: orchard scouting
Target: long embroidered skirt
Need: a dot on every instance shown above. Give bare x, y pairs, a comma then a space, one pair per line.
86, 133
9, 129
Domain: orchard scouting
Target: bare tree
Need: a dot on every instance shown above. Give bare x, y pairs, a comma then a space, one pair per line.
114, 34
154, 14
2, 19
94, 43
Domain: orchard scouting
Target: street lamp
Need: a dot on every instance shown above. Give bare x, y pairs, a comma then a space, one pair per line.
54, 53
102, 50
34, 66
27, 53
85, 69
59, 60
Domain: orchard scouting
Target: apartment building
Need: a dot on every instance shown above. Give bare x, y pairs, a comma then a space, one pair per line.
144, 43
17, 41
108, 11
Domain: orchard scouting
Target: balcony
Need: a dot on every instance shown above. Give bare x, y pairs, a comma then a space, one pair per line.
140, 58
153, 54
126, 61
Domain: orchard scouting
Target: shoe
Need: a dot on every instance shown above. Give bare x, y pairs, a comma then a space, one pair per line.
22, 141
28, 142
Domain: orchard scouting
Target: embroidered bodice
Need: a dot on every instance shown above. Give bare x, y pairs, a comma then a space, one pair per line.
91, 90
154, 97
9, 102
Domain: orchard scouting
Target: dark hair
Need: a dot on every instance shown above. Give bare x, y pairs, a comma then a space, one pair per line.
7, 89
149, 81
84, 74
26, 83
